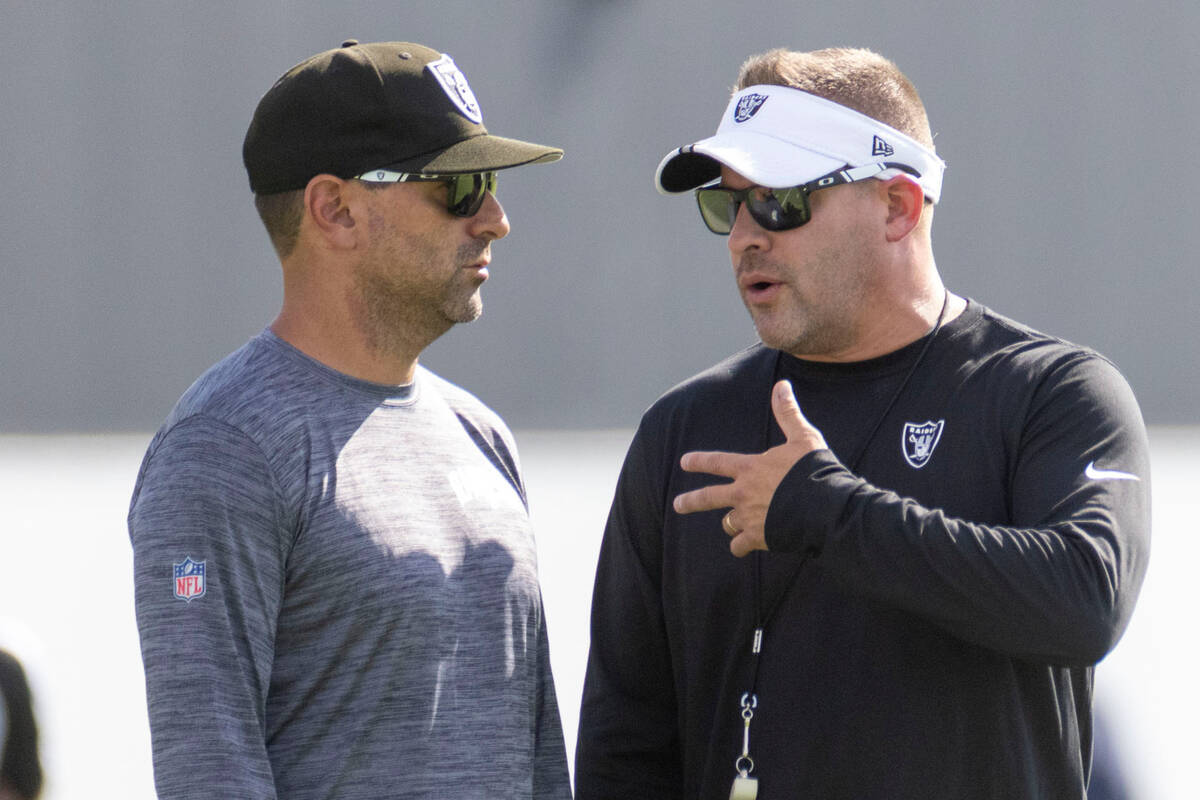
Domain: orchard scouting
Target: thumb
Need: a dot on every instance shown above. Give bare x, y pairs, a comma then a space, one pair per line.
787, 411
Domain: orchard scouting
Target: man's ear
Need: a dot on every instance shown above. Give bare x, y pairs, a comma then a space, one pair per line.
905, 202
330, 212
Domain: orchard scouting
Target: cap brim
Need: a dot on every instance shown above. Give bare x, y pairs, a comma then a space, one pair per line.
760, 159
482, 153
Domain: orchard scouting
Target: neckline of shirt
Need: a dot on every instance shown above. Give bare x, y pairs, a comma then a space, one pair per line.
404, 394
879, 366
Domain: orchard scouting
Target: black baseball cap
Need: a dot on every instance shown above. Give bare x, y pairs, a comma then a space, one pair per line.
381, 105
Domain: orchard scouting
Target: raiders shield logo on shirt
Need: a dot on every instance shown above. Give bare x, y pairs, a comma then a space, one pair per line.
919, 440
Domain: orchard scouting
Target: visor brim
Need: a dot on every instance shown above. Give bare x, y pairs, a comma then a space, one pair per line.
760, 159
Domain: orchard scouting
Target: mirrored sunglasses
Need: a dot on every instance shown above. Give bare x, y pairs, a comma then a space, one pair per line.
465, 193
778, 209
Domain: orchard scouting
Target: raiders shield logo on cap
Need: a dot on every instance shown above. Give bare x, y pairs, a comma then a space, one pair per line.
748, 106
454, 83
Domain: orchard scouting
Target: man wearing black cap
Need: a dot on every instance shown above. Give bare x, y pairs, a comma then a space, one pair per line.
336, 581
945, 513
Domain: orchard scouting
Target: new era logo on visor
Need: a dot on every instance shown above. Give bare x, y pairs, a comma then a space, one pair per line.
748, 106
881, 148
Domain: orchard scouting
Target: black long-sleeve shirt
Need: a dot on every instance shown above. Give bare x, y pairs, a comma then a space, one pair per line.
931, 617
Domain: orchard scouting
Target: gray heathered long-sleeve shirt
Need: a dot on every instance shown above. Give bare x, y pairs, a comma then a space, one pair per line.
337, 592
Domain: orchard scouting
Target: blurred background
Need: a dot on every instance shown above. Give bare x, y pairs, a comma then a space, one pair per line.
131, 259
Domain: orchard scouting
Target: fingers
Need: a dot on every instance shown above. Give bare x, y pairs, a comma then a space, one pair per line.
745, 543
755, 476
704, 499
712, 463
742, 542
787, 410
793, 423
710, 497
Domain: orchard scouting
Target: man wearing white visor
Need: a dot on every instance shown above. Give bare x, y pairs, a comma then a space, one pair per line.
877, 554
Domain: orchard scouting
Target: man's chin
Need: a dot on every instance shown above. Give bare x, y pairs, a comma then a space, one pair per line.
469, 313
770, 335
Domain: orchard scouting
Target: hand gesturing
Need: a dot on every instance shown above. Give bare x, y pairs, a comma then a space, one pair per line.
755, 476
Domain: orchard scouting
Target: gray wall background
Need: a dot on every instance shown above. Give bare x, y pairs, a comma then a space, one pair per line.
131, 257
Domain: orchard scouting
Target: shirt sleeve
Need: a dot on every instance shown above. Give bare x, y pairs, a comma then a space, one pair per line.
550, 779
628, 728
1055, 583
206, 510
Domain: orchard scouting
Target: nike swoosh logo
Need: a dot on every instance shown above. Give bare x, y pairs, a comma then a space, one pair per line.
1108, 474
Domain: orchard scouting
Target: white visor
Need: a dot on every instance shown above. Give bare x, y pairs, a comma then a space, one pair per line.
777, 136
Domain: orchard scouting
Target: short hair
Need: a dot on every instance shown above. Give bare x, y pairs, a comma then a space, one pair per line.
21, 769
281, 214
856, 78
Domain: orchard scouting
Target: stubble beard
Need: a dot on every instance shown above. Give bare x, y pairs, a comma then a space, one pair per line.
398, 312
815, 324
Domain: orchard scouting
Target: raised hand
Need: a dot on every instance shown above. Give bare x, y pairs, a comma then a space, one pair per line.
755, 476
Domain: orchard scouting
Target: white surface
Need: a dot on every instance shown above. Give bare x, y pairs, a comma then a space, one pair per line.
1146, 686
66, 608
66, 603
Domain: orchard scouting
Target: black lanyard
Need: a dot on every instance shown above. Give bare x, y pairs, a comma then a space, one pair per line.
748, 701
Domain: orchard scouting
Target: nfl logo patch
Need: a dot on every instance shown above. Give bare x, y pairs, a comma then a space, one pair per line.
919, 439
189, 579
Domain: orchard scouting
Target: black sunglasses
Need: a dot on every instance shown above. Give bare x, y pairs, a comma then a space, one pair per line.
465, 193
778, 209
